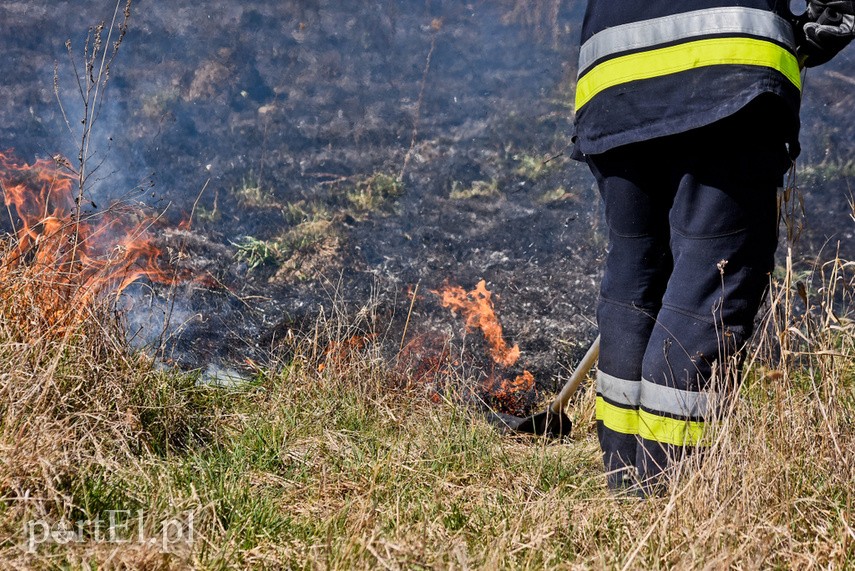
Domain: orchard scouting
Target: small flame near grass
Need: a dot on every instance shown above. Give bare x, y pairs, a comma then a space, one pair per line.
477, 309
476, 306
340, 353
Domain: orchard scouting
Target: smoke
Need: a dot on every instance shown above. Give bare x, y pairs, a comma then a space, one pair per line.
154, 318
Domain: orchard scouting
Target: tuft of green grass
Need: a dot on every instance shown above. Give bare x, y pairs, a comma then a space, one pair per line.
255, 253
534, 167
375, 192
827, 171
556, 195
253, 194
479, 188
311, 237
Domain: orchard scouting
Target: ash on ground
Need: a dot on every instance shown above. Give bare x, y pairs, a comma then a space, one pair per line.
326, 158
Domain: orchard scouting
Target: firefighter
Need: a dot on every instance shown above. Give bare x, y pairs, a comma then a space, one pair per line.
687, 114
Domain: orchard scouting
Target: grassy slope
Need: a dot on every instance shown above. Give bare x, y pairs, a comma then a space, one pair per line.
353, 468
335, 459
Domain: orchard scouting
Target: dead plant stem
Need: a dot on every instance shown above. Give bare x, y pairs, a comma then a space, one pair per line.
436, 26
409, 314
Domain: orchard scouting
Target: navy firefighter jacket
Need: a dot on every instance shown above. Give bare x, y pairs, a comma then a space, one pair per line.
652, 68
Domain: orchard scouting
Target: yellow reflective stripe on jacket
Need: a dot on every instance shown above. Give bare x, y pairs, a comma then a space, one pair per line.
623, 420
732, 21
684, 57
669, 430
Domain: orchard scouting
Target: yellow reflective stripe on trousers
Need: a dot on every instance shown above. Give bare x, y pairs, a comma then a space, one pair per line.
684, 57
669, 430
650, 426
623, 420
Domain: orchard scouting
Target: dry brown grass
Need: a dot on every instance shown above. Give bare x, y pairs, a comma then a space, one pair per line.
78, 405
540, 17
346, 466
334, 460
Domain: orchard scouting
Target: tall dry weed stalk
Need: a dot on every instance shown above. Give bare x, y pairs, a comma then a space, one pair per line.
540, 16
99, 53
69, 388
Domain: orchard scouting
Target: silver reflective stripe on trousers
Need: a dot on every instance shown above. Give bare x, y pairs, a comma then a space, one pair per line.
659, 398
618, 391
657, 31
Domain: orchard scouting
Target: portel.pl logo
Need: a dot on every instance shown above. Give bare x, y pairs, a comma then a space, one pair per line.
114, 527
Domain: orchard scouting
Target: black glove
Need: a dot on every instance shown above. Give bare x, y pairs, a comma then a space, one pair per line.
829, 28
817, 7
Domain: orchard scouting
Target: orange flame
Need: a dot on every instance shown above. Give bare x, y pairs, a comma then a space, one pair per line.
477, 307
511, 394
66, 262
343, 352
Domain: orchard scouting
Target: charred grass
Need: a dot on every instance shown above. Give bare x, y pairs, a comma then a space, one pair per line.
336, 459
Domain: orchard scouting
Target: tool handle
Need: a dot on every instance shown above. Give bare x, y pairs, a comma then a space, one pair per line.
582, 369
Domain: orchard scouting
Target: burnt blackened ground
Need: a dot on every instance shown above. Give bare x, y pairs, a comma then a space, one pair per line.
286, 124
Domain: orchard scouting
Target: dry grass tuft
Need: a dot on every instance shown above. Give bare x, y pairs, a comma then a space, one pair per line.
539, 17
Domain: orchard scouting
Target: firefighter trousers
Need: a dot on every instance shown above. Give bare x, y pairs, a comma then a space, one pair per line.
692, 221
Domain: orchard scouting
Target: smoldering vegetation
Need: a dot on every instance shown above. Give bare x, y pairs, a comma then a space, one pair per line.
360, 147
353, 224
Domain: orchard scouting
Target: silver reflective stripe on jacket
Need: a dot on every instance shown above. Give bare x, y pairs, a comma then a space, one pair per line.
658, 31
618, 391
659, 398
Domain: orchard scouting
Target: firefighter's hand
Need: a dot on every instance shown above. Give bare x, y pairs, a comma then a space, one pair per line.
829, 29
818, 7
